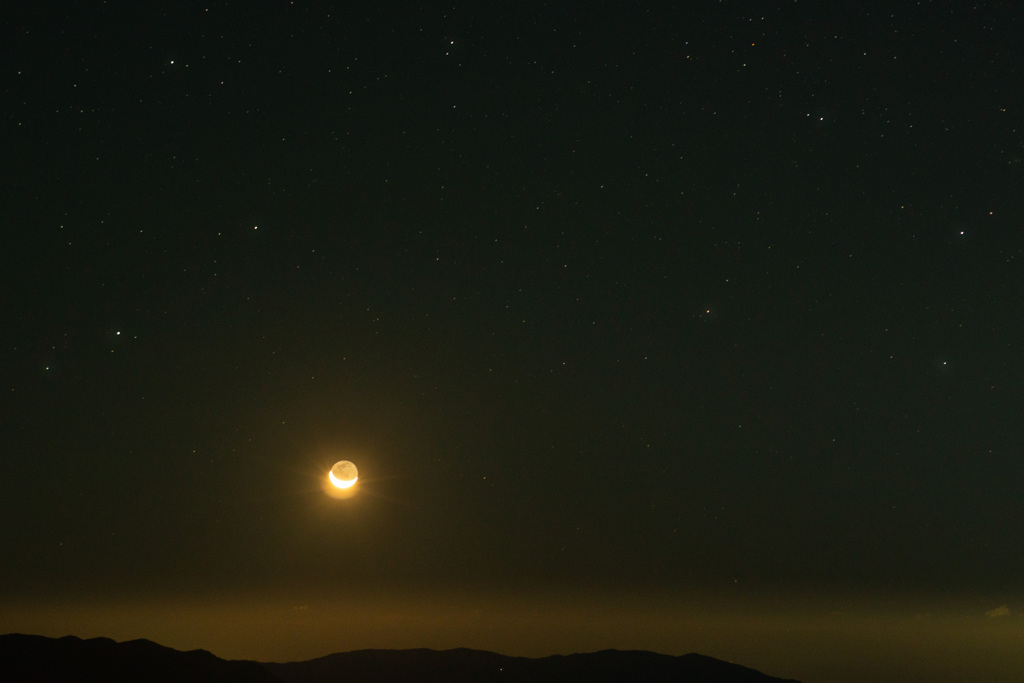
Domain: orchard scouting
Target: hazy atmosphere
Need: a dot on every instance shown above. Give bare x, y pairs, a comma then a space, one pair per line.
686, 329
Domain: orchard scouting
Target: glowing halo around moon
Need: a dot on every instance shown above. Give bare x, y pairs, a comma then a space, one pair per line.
344, 474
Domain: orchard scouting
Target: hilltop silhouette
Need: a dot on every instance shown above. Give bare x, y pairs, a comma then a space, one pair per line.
37, 659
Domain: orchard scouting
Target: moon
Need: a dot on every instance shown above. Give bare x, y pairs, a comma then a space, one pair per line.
344, 474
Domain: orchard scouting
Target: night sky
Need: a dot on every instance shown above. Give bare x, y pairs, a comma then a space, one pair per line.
691, 328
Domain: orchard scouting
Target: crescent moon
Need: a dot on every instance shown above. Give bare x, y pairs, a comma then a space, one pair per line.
348, 483
347, 474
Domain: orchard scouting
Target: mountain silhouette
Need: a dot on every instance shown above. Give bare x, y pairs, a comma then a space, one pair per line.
475, 666
37, 659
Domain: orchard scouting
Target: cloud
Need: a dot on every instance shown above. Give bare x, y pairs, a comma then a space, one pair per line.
1001, 611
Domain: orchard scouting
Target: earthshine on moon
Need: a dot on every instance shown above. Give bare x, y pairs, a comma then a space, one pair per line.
344, 474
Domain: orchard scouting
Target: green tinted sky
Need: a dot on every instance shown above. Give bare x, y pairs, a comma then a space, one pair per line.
696, 307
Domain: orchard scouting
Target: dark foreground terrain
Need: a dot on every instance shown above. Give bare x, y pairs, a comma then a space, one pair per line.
25, 658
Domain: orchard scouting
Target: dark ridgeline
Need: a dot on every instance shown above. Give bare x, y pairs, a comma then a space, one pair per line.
36, 659
475, 666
